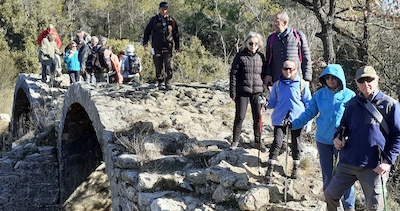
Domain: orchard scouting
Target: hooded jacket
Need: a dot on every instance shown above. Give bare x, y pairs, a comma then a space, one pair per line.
329, 104
288, 97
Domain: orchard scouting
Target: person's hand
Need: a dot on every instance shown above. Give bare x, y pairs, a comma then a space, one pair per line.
145, 47
268, 80
289, 124
338, 143
382, 168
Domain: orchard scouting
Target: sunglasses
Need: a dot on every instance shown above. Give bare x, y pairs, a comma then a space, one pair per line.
331, 77
252, 43
287, 68
365, 79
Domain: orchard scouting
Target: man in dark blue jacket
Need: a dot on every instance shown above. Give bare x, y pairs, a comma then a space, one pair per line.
370, 148
164, 35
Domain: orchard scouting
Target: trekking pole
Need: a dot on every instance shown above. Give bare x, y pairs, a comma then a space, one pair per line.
342, 138
262, 101
381, 177
286, 121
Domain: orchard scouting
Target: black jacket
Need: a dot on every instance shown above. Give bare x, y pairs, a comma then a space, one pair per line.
162, 37
247, 72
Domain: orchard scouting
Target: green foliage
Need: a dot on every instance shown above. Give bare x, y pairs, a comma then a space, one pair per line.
194, 63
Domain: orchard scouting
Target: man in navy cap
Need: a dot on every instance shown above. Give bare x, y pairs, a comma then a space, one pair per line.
164, 37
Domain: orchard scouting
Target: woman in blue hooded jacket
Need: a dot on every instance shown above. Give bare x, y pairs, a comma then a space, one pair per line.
329, 102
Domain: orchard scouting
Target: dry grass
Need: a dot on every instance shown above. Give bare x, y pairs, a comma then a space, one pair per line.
6, 100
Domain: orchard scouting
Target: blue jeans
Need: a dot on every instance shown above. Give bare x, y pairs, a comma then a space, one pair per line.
327, 153
50, 66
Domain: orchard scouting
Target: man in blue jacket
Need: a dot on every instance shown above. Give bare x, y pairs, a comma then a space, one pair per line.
369, 150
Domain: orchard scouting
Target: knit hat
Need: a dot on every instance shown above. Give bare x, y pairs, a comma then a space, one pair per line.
365, 71
163, 4
129, 49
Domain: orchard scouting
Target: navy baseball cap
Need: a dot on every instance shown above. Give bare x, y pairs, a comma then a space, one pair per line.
163, 4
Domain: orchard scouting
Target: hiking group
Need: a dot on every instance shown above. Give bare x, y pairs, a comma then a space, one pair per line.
364, 128
89, 57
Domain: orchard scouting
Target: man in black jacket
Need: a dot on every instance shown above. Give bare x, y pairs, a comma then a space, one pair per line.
164, 35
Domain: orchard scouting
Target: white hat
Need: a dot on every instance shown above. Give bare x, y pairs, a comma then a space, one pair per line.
129, 49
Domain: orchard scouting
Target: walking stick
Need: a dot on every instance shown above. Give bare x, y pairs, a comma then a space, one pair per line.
285, 122
262, 101
341, 137
381, 177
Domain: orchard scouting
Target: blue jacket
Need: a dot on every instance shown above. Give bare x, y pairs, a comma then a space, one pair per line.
364, 134
72, 63
329, 104
288, 97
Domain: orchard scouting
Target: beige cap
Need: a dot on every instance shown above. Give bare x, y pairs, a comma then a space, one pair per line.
365, 71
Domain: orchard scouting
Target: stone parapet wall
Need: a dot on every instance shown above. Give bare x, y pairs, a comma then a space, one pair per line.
29, 179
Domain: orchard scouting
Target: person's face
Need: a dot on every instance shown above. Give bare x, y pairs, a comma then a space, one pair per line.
252, 44
367, 85
279, 24
163, 11
331, 81
289, 70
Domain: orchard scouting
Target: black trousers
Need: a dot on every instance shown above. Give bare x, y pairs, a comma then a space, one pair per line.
279, 136
242, 101
162, 58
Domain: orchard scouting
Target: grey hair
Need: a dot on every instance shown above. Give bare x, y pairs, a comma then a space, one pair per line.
94, 39
284, 16
256, 35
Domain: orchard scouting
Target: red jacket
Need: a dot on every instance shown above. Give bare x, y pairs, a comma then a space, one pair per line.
44, 34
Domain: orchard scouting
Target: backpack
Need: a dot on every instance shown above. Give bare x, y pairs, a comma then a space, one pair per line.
133, 65
271, 41
95, 60
302, 87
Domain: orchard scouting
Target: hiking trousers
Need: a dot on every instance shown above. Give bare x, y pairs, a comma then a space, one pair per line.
242, 101
162, 61
327, 152
345, 176
279, 136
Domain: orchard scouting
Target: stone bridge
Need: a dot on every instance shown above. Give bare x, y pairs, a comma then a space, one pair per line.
84, 125
162, 150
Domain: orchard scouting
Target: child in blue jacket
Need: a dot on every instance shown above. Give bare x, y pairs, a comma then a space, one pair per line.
289, 94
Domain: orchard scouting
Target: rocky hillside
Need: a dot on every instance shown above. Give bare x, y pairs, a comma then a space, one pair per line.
182, 144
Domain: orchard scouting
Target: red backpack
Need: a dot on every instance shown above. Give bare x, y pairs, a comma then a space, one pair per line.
271, 41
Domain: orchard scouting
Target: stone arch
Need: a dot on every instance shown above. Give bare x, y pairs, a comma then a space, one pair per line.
25, 107
82, 140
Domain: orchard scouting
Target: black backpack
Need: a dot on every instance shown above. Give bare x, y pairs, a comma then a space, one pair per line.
134, 65
95, 60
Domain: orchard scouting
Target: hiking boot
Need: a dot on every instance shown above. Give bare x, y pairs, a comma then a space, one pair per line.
295, 170
234, 145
